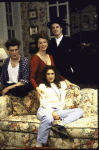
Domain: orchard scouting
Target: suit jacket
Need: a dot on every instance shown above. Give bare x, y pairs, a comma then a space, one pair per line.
63, 55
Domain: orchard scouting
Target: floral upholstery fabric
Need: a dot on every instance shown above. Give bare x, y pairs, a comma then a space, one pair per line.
26, 123
30, 123
63, 143
21, 139
86, 100
25, 105
5, 106
21, 131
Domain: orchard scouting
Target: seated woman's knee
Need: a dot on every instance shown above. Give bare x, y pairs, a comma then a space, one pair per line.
80, 110
49, 119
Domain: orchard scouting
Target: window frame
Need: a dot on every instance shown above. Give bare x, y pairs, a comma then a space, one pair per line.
11, 28
17, 24
57, 4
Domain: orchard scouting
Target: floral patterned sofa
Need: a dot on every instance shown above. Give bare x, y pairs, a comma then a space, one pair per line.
19, 124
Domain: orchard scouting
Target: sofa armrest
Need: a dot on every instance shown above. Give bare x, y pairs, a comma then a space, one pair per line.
95, 101
5, 106
87, 100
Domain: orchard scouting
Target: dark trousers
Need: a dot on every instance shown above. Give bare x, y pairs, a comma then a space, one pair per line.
19, 91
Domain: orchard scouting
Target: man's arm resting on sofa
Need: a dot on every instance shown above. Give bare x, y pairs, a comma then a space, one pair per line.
5, 90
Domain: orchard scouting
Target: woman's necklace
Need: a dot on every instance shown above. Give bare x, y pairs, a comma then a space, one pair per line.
44, 58
59, 97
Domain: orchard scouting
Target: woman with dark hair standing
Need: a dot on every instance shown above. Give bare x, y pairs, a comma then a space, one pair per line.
52, 105
39, 62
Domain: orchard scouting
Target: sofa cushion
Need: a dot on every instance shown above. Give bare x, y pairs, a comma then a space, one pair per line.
25, 105
81, 128
25, 123
5, 106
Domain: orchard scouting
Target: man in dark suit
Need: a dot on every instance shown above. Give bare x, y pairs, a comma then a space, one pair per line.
62, 49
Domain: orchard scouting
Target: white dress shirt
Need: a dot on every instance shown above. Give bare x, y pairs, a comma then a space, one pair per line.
58, 40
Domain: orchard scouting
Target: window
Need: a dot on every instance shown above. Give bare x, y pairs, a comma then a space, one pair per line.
10, 20
86, 21
57, 9
95, 21
73, 20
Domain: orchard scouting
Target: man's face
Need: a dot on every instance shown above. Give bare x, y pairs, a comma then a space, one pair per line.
56, 29
13, 51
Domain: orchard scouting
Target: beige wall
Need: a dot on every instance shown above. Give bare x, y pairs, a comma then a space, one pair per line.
3, 25
41, 22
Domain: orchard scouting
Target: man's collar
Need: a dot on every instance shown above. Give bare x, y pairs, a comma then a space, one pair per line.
59, 38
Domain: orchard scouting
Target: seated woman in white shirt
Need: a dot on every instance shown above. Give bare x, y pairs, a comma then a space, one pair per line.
52, 104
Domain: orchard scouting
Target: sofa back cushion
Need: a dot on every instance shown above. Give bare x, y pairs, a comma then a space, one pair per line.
27, 105
5, 106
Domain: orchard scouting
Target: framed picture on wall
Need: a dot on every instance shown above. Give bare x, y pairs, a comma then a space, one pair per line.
32, 47
33, 14
33, 30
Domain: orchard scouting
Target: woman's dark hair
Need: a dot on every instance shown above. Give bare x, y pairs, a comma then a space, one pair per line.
12, 42
57, 76
41, 35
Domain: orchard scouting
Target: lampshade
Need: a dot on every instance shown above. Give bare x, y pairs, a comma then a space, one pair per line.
3, 54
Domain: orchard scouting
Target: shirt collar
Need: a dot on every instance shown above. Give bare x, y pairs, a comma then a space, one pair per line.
59, 39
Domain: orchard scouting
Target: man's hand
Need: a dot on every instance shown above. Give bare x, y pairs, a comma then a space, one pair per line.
39, 92
55, 115
76, 92
4, 91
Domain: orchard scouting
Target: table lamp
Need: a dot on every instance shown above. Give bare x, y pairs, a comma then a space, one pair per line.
3, 55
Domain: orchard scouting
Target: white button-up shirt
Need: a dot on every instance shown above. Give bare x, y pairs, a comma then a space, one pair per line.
58, 40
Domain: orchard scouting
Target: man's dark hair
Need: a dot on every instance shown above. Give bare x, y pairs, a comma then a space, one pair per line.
61, 25
41, 35
12, 42
57, 76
